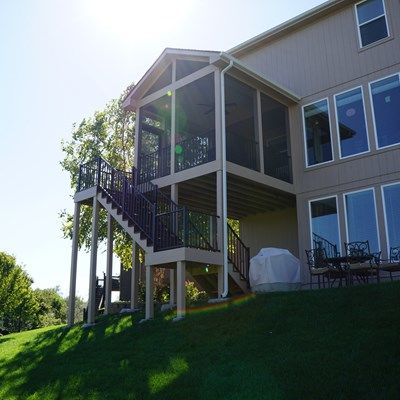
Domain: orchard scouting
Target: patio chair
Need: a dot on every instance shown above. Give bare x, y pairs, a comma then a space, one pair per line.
318, 266
393, 264
361, 262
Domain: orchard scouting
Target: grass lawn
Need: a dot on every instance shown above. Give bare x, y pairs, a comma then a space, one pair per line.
328, 344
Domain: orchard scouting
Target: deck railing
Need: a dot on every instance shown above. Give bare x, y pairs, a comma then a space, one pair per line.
242, 151
238, 254
194, 151
278, 164
154, 165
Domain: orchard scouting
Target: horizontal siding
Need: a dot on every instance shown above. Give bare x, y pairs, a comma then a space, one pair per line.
326, 53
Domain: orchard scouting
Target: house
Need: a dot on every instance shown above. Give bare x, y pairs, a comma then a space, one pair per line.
295, 133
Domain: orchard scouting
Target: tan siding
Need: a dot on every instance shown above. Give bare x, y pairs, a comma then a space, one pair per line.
326, 53
274, 229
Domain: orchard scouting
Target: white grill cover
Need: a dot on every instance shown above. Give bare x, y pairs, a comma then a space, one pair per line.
274, 266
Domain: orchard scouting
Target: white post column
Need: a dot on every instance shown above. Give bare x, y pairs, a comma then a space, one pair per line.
220, 281
109, 268
181, 290
135, 277
149, 293
172, 287
74, 264
93, 264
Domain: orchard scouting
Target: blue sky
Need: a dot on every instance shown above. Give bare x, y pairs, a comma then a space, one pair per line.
62, 60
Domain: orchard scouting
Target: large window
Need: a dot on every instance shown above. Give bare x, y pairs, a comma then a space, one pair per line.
372, 24
163, 80
391, 197
351, 124
361, 218
325, 225
240, 112
275, 127
386, 104
195, 123
317, 133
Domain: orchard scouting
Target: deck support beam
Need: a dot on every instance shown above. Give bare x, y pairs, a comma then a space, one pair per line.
181, 290
135, 277
74, 265
220, 281
172, 287
91, 315
109, 268
149, 292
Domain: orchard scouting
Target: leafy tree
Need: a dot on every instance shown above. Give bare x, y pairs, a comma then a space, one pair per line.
108, 133
52, 308
18, 305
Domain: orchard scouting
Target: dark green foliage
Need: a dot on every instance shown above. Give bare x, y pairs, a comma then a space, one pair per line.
52, 307
329, 344
108, 133
18, 305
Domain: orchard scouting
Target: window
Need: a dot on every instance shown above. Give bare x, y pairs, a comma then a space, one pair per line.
351, 124
317, 133
385, 95
391, 198
324, 224
361, 218
371, 19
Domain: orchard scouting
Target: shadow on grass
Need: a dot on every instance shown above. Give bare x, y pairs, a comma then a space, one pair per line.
5, 339
278, 346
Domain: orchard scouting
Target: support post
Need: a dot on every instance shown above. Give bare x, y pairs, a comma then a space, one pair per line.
135, 277
109, 268
74, 264
93, 264
172, 287
220, 281
181, 290
149, 293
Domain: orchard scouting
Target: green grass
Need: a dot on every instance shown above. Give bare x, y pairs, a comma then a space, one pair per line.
329, 344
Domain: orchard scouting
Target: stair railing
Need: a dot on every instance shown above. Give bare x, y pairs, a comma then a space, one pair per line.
238, 254
321, 243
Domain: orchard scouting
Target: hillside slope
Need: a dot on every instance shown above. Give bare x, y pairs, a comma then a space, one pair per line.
328, 344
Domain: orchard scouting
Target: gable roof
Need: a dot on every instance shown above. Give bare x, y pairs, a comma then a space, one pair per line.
159, 65
289, 26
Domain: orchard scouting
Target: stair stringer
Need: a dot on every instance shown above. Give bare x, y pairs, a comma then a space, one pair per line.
130, 230
237, 278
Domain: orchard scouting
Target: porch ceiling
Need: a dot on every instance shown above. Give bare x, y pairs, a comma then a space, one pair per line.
244, 197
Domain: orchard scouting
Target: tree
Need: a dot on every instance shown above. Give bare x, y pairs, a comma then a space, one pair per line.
110, 134
18, 305
52, 307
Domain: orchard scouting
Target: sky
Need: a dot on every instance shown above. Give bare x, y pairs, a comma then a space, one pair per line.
60, 61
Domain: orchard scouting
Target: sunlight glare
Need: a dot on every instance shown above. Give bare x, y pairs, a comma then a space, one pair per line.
130, 18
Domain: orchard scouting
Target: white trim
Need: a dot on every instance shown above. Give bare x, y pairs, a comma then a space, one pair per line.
384, 212
375, 208
337, 218
369, 21
373, 110
338, 127
305, 133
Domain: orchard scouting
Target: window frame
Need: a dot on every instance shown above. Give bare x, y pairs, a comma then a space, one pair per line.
338, 128
337, 213
397, 183
371, 20
373, 110
375, 209
305, 134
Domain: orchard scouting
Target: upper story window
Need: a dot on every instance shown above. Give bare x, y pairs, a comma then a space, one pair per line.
317, 133
371, 19
351, 123
385, 95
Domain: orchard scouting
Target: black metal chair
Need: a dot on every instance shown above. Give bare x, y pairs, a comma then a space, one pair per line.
318, 266
393, 264
361, 262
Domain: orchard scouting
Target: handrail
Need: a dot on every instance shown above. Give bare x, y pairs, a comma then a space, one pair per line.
322, 243
238, 254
